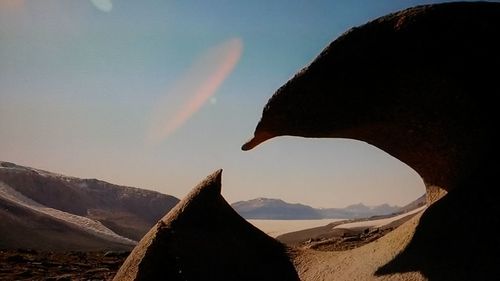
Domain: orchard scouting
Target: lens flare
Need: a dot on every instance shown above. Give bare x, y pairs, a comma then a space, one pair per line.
200, 83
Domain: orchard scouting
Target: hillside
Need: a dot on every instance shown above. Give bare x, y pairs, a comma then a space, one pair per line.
44, 210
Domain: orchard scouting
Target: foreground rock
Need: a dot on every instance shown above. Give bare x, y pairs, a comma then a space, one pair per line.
203, 238
419, 85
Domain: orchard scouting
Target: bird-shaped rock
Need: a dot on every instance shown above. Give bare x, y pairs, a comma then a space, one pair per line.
420, 84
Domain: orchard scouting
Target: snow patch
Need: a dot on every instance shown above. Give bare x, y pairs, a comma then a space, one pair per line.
86, 224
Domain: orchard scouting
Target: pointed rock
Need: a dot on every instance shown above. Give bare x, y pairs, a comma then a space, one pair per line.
203, 238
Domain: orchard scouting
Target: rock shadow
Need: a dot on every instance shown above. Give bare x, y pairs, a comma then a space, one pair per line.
455, 239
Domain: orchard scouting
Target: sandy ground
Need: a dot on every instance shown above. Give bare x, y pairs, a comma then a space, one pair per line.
274, 228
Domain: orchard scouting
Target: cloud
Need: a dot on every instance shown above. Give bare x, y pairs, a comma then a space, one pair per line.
196, 87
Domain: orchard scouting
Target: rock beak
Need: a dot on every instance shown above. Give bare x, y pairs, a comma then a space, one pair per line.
258, 138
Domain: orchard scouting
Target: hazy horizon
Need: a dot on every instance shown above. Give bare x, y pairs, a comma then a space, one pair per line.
159, 94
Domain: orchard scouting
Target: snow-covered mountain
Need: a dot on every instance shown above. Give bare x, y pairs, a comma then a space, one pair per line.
265, 208
44, 210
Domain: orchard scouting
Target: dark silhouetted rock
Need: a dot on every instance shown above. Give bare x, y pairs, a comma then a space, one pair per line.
420, 84
203, 238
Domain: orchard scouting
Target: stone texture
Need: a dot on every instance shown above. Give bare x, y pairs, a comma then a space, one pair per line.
420, 84
203, 238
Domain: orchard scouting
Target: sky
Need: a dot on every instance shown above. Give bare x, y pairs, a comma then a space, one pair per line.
159, 94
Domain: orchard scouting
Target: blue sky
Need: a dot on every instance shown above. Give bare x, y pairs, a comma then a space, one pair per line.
81, 80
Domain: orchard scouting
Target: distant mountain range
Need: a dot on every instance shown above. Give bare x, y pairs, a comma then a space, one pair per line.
276, 209
43, 210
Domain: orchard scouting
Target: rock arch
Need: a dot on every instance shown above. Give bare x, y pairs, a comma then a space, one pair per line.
419, 84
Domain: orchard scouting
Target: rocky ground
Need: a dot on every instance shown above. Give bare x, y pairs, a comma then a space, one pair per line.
24, 264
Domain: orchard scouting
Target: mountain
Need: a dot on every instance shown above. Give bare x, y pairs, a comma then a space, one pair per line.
264, 208
276, 209
44, 210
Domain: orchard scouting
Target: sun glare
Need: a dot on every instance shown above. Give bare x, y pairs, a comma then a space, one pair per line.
196, 87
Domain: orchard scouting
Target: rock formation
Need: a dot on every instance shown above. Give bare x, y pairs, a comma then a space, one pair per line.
203, 238
420, 84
